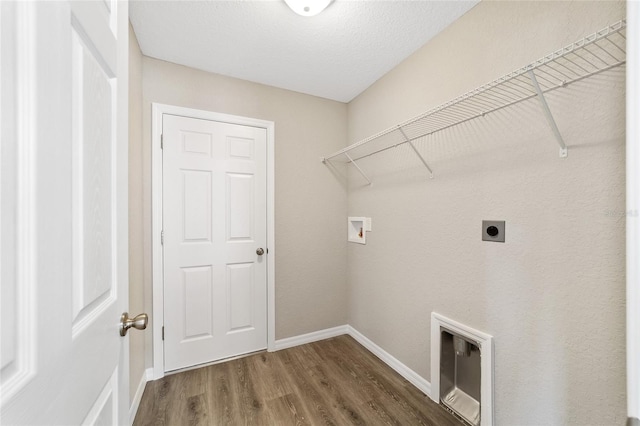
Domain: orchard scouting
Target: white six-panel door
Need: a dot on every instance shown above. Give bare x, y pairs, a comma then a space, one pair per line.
64, 212
214, 226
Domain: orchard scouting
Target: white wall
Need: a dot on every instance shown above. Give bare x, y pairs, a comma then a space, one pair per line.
553, 295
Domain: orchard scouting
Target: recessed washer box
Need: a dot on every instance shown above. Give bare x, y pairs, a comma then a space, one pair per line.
356, 230
493, 230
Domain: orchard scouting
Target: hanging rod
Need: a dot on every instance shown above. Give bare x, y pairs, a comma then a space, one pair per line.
598, 52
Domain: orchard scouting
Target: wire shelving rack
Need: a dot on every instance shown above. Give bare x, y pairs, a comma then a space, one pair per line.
598, 52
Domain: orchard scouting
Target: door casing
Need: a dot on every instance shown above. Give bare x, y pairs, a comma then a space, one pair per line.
157, 318
632, 218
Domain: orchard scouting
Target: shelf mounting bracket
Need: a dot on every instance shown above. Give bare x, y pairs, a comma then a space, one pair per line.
358, 168
548, 115
416, 151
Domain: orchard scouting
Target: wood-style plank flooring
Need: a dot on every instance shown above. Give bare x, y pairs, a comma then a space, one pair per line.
331, 382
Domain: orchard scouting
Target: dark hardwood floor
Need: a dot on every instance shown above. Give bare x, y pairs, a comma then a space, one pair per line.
332, 382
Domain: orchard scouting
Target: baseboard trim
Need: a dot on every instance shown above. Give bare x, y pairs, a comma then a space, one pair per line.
303, 339
414, 378
135, 404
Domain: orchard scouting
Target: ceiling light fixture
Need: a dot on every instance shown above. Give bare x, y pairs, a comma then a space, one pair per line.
308, 7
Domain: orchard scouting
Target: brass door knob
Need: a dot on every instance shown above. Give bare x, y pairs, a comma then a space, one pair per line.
139, 322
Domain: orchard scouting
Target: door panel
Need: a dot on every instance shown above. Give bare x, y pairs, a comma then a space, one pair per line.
239, 288
17, 351
93, 92
105, 408
214, 219
197, 302
240, 207
196, 190
64, 195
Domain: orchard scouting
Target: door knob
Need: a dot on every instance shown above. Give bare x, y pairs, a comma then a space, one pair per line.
139, 322
260, 251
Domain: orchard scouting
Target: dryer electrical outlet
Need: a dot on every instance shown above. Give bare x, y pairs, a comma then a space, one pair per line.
493, 230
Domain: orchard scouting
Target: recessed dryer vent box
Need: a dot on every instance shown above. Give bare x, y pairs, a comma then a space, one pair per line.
357, 230
493, 230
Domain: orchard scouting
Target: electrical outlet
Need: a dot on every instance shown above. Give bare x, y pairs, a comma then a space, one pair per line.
493, 230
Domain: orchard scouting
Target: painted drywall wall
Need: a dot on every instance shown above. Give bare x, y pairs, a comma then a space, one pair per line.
136, 270
553, 294
310, 208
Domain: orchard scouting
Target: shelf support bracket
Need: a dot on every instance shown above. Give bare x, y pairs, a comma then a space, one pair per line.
548, 115
358, 167
416, 151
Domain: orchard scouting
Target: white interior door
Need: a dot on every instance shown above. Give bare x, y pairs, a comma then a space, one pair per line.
214, 227
64, 212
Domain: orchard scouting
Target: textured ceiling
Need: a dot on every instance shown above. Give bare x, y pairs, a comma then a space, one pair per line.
334, 55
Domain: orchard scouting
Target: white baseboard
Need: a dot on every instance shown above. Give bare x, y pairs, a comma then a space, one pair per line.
413, 377
303, 339
135, 404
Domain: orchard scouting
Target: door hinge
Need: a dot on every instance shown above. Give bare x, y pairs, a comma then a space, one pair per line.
163, 332
161, 141
161, 238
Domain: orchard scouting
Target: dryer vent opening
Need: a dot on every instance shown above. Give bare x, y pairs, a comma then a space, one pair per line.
462, 370
460, 377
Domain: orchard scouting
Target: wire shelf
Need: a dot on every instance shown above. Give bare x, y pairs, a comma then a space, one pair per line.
598, 52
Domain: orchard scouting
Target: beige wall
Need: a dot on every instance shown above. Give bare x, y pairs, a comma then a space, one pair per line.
136, 270
553, 295
310, 206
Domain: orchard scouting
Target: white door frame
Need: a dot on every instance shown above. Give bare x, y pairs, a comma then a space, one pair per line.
157, 317
633, 219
